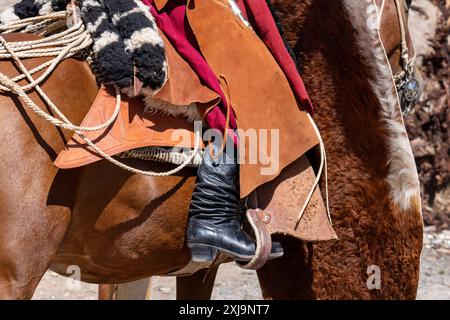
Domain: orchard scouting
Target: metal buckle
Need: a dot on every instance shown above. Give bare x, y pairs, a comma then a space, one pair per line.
408, 89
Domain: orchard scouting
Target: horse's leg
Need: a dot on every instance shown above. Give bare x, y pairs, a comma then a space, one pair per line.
288, 277
33, 220
357, 266
136, 290
198, 286
29, 240
107, 292
304, 274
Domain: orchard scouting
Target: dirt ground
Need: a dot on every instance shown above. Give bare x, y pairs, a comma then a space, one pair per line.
235, 283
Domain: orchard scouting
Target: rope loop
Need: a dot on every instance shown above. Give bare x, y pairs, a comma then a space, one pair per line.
71, 42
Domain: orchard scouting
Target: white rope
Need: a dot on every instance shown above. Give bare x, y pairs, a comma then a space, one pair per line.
323, 169
61, 46
407, 61
404, 44
380, 12
39, 20
8, 85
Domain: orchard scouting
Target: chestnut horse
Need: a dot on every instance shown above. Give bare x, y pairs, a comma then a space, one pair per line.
119, 227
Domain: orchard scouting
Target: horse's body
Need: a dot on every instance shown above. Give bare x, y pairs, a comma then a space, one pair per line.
118, 227
93, 201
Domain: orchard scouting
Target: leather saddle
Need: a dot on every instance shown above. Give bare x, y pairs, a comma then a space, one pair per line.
134, 127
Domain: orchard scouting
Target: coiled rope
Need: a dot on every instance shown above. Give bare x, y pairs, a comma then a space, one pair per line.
73, 41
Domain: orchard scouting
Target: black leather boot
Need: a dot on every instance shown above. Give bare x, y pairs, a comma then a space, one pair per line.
215, 214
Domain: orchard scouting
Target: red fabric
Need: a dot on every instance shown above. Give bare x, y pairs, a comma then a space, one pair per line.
172, 21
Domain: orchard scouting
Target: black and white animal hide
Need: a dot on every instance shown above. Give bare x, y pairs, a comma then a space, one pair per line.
138, 29
26, 9
126, 42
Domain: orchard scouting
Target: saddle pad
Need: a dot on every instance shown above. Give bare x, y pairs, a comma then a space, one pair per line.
134, 128
282, 198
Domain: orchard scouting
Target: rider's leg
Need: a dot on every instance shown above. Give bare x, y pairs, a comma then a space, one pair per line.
215, 213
